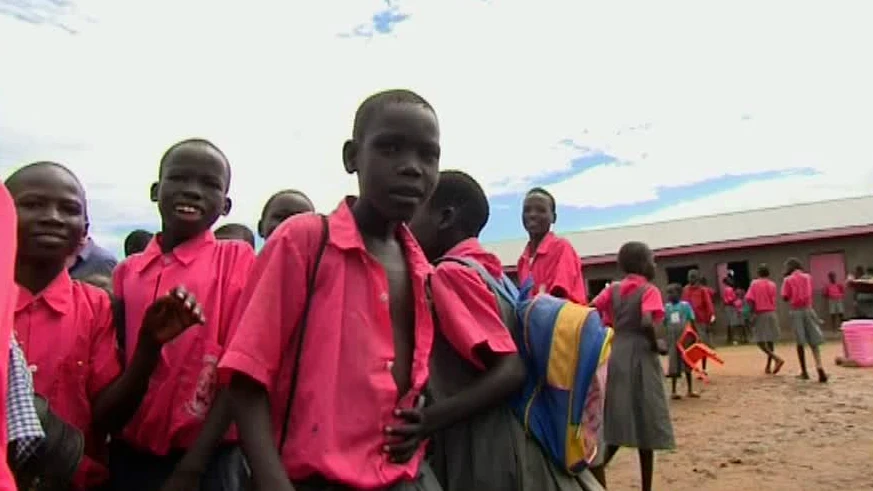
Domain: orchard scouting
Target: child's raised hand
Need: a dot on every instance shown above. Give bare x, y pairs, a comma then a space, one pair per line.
170, 316
405, 439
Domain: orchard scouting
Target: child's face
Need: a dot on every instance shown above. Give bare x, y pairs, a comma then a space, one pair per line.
192, 190
674, 296
536, 214
282, 207
51, 214
832, 277
397, 160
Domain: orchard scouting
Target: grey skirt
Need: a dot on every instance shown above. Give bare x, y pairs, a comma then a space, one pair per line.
732, 316
766, 327
835, 307
805, 326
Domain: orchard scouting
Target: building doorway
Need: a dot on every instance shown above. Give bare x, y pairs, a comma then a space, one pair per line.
679, 274
595, 286
742, 278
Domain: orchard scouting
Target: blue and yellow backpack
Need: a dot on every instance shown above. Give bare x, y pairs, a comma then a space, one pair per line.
565, 347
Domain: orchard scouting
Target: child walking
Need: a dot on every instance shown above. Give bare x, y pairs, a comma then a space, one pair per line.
281, 206
765, 323
343, 399
170, 443
636, 413
677, 315
65, 328
797, 291
551, 260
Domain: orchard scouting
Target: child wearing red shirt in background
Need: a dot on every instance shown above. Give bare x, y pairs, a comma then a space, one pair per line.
346, 394
281, 206
834, 292
797, 291
170, 442
550, 260
8, 293
733, 317
765, 323
700, 299
65, 328
636, 413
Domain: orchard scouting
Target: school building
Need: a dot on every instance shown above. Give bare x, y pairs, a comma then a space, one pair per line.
834, 235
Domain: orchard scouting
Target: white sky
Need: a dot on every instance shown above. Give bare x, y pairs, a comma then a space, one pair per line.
712, 89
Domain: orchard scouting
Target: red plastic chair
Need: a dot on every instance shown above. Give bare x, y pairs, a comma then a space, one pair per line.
696, 352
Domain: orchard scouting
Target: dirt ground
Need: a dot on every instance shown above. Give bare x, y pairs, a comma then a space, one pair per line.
754, 431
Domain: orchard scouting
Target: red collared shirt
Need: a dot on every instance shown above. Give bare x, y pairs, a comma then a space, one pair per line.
346, 394
468, 314
652, 302
797, 290
8, 293
762, 294
700, 299
555, 266
183, 384
67, 335
834, 291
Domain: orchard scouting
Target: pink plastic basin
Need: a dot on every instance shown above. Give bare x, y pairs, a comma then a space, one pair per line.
858, 341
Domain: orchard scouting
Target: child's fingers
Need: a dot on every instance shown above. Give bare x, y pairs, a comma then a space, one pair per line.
409, 415
403, 431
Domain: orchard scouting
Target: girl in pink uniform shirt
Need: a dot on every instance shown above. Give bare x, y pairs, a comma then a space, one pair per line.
550, 260
65, 328
345, 297
765, 323
833, 293
797, 291
170, 443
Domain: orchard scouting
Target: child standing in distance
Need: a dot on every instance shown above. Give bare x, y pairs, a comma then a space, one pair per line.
354, 418
8, 294
729, 300
170, 441
136, 242
834, 292
235, 231
281, 206
474, 368
797, 291
765, 322
551, 260
636, 413
700, 299
65, 328
677, 314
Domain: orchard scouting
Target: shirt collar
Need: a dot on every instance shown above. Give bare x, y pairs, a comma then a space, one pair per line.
185, 252
57, 295
544, 246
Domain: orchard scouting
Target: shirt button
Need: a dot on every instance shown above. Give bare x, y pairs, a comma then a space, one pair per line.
383, 297
33, 368
389, 365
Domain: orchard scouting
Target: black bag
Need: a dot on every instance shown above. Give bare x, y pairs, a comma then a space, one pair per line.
53, 465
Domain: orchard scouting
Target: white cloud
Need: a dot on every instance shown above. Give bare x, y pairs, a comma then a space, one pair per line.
275, 86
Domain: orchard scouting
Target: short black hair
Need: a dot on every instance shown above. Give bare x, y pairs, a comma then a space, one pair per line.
235, 231
763, 270
376, 102
703, 280
283, 193
460, 191
193, 142
674, 288
136, 242
792, 264
539, 190
13, 178
633, 258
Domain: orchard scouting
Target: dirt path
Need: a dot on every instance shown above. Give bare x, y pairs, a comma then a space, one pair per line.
752, 431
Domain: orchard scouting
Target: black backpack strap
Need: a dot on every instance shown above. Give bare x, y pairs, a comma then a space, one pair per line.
301, 329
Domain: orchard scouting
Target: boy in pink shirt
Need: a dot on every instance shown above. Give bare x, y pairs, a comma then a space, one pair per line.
834, 292
171, 441
765, 323
281, 206
343, 398
8, 292
65, 328
797, 291
551, 260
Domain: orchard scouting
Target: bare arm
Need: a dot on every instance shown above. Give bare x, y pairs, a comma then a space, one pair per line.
117, 403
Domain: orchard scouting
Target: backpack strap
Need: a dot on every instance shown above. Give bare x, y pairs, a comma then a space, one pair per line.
497, 286
301, 328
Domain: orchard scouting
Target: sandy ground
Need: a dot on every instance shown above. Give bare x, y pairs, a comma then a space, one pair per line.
751, 431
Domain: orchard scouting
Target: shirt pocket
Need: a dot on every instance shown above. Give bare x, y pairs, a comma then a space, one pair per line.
198, 378
69, 396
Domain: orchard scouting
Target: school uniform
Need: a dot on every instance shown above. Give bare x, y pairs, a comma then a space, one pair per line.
66, 334
765, 324
676, 317
636, 413
8, 294
833, 293
183, 385
732, 315
797, 291
700, 299
346, 394
556, 267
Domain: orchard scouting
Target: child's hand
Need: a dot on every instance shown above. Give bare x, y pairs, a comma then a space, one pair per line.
406, 438
170, 316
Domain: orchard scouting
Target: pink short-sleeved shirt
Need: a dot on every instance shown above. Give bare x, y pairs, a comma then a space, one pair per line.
66, 333
797, 290
467, 309
834, 291
728, 295
347, 354
8, 294
762, 294
555, 266
183, 385
652, 302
